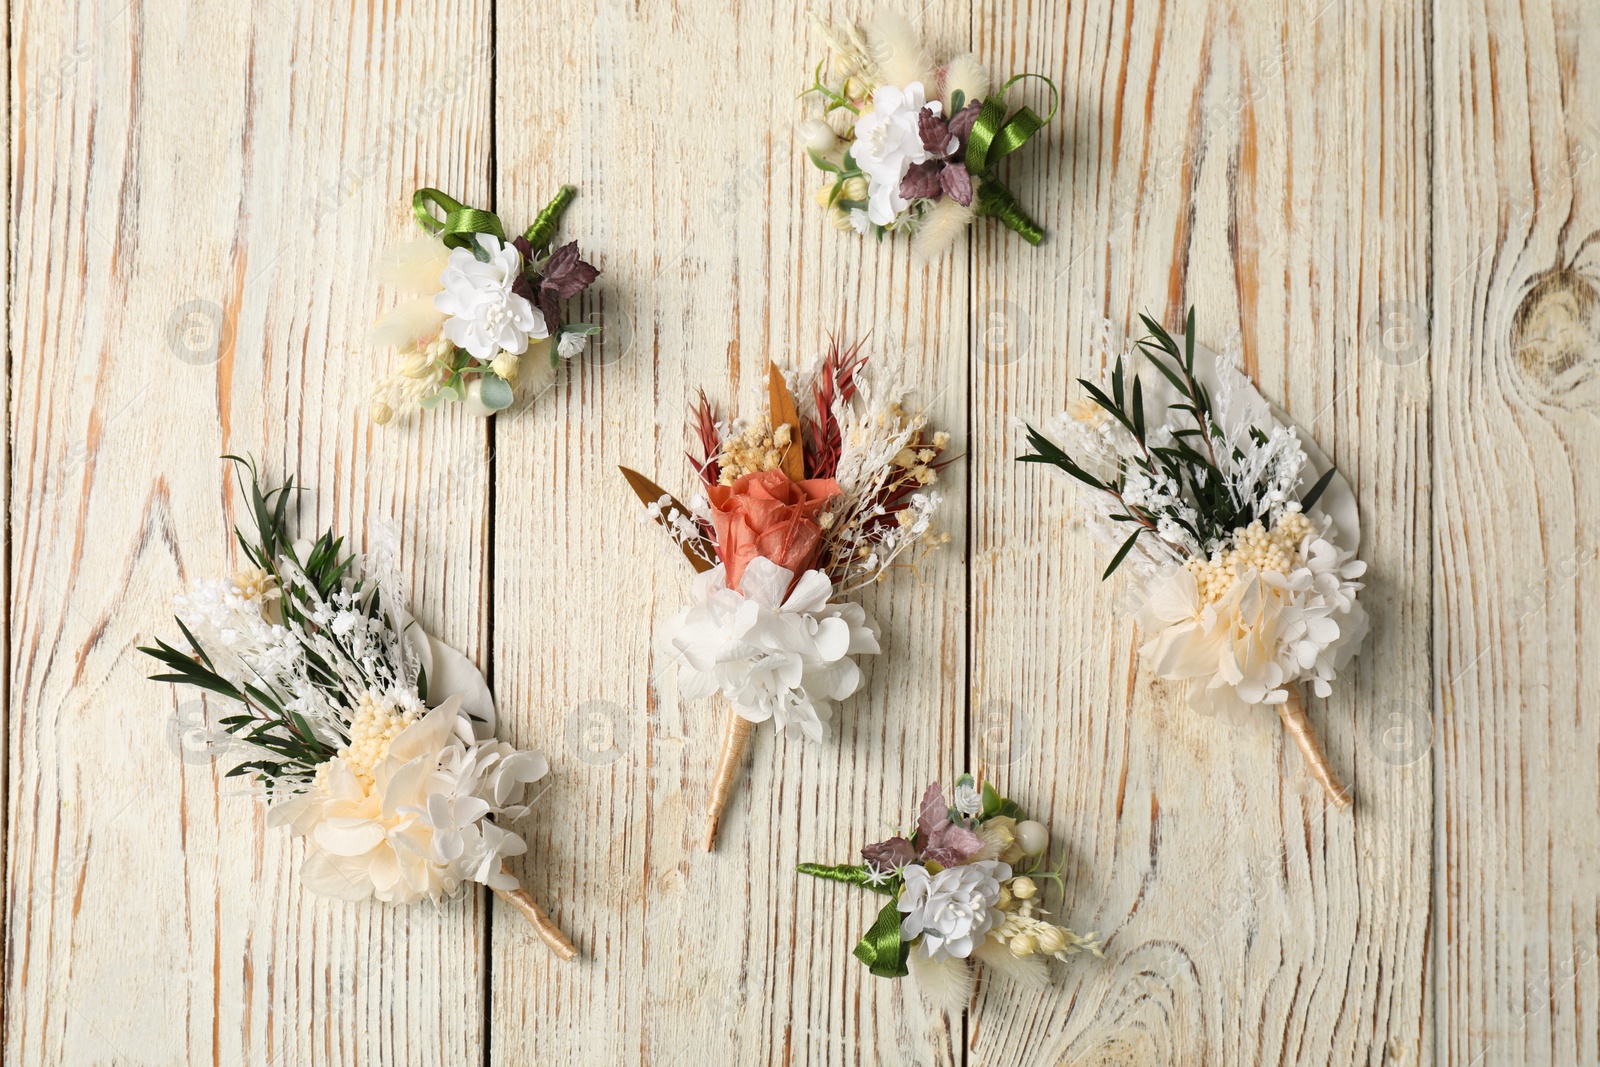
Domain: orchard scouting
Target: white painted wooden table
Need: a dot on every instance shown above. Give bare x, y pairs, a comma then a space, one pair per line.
1395, 203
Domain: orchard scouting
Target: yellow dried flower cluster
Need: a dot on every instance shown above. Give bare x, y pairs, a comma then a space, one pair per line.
253, 583
916, 457
373, 728
1087, 412
1252, 547
757, 449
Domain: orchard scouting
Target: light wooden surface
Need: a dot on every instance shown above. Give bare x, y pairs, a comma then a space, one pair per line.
1395, 207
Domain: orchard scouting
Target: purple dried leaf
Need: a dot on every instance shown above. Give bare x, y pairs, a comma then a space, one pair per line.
935, 812
889, 855
957, 183
524, 247
935, 132
952, 845
566, 274
922, 180
961, 124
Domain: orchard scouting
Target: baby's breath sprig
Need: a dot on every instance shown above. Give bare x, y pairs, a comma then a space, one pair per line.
1181, 481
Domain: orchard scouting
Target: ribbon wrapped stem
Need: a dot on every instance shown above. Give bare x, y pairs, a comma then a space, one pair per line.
1298, 725
543, 230
996, 201
543, 925
734, 741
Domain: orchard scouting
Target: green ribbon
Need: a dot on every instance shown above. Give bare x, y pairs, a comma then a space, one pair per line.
543, 229
996, 201
460, 224
849, 873
882, 950
993, 137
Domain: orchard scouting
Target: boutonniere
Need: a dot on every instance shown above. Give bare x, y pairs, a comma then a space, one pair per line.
1241, 536
365, 736
796, 509
964, 884
908, 145
482, 316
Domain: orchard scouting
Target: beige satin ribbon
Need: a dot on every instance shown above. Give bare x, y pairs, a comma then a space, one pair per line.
734, 740
1298, 725
543, 925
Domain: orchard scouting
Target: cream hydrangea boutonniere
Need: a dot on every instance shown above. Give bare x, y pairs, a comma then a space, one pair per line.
1241, 536
795, 510
963, 884
908, 145
484, 314
367, 737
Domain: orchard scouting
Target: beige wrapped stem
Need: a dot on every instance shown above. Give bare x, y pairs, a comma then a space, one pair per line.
734, 741
545, 926
1298, 724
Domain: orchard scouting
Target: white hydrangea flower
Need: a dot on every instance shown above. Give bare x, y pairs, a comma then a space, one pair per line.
888, 141
950, 912
485, 316
405, 820
784, 658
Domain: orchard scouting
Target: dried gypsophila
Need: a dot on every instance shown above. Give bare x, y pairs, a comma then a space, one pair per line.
328, 680
1245, 593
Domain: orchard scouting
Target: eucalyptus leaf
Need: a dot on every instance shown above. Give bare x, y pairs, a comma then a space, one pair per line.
495, 392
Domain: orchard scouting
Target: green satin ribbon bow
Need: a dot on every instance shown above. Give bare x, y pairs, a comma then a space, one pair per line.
881, 950
461, 224
993, 137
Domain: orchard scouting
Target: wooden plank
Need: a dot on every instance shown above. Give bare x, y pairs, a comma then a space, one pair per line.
675, 123
1516, 347
1269, 167
197, 199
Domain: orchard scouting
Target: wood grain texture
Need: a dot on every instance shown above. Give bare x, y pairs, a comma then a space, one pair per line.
1516, 353
1224, 159
715, 261
1391, 206
196, 204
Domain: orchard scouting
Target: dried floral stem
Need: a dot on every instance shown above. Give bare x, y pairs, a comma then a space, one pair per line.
734, 740
545, 926
1298, 724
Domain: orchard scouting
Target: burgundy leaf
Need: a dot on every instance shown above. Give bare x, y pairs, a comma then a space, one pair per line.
566, 274
934, 814
957, 183
921, 180
961, 124
952, 845
524, 247
935, 132
524, 288
890, 854
550, 307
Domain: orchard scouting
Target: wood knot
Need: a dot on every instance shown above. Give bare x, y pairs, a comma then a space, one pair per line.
1556, 329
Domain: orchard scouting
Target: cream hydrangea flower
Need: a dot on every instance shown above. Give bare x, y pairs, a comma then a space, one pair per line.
778, 657
400, 814
1265, 631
